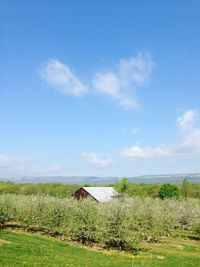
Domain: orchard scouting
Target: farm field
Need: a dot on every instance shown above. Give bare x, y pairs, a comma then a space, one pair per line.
19, 248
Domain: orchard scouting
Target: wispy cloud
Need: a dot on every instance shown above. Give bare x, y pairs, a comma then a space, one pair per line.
61, 77
137, 151
189, 146
97, 161
120, 82
12, 166
187, 120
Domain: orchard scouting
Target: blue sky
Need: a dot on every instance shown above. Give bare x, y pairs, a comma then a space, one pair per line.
105, 88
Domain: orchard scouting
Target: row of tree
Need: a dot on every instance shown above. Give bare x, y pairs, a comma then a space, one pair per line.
123, 223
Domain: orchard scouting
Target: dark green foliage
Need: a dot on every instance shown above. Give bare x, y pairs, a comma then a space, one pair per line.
168, 191
2, 221
198, 231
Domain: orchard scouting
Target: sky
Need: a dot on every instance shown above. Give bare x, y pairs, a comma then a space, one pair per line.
99, 88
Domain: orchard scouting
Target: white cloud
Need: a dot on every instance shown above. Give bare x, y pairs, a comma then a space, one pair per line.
107, 83
60, 77
135, 71
127, 102
137, 151
120, 83
189, 146
11, 166
96, 161
187, 120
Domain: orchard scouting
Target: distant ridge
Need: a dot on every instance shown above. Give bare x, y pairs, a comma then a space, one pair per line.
148, 179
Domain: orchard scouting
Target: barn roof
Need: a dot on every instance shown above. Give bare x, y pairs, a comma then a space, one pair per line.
102, 194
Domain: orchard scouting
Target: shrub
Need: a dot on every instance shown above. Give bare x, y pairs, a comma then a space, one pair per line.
82, 225
168, 191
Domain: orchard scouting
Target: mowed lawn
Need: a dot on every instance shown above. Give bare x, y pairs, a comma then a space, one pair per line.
24, 249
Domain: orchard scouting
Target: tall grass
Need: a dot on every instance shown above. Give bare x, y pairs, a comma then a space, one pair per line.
123, 223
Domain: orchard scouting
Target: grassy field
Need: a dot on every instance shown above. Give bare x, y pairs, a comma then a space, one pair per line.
24, 249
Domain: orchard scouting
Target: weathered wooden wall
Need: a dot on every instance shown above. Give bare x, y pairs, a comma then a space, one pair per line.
82, 193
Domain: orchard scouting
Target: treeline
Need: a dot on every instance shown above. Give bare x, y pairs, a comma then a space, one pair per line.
186, 189
124, 223
49, 189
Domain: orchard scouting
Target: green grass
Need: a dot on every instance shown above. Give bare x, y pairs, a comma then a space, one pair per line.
24, 249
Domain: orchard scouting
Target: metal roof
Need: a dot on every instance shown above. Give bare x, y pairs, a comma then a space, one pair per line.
102, 194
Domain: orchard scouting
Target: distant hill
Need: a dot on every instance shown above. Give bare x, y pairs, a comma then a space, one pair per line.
166, 178
147, 179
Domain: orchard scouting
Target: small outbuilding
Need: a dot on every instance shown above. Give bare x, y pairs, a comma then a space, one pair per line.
100, 194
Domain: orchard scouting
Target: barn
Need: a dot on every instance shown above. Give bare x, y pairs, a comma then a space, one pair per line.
100, 194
